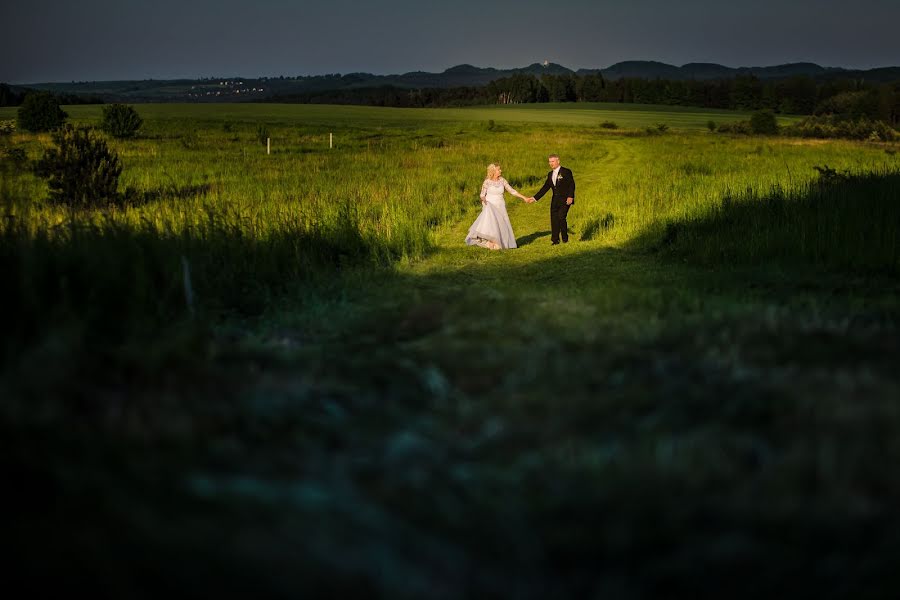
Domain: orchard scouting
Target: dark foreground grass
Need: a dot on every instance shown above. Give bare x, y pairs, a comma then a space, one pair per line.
557, 422
670, 430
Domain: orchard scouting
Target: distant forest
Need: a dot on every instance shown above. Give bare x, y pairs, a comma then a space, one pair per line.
796, 95
801, 94
9, 97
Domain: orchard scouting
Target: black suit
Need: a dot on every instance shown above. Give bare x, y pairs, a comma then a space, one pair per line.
563, 189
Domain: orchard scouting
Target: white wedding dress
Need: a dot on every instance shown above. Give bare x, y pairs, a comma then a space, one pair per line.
492, 226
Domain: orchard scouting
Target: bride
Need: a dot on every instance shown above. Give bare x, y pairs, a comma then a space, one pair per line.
492, 228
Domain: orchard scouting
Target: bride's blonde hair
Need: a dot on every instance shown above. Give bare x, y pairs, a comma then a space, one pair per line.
492, 168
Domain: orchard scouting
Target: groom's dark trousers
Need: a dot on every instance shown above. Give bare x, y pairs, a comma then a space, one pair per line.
562, 190
558, 224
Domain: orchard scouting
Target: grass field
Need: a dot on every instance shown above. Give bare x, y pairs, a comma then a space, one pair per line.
353, 117
696, 395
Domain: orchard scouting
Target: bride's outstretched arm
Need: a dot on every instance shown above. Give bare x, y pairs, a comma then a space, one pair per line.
512, 191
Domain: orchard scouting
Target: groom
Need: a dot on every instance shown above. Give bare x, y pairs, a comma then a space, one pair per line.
561, 181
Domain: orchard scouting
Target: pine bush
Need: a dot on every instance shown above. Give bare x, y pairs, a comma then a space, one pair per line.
121, 121
40, 111
81, 170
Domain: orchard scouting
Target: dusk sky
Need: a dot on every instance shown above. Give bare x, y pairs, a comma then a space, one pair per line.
53, 40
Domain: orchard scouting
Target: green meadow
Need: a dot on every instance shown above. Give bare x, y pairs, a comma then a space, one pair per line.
286, 372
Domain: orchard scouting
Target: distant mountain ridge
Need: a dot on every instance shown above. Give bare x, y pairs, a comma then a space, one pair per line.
467, 74
704, 71
231, 89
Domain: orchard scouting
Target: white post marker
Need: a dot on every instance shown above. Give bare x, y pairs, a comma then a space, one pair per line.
268, 145
330, 140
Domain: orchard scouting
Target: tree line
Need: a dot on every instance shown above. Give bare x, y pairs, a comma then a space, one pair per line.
10, 97
803, 95
796, 95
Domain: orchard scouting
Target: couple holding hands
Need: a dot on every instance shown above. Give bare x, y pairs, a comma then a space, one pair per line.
492, 228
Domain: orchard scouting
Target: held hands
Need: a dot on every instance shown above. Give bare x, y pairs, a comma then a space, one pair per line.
529, 200
570, 200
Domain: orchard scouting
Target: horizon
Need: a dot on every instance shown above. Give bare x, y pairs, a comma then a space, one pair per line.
106, 40
440, 71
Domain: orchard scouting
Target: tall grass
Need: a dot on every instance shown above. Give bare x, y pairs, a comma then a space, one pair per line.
850, 221
123, 273
638, 185
246, 226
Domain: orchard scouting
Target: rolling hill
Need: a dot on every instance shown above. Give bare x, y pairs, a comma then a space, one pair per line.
240, 89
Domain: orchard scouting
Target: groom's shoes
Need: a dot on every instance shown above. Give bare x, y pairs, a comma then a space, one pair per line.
554, 243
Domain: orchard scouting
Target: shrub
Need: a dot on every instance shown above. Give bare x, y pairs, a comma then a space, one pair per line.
836, 127
7, 127
739, 127
491, 125
711, 125
81, 170
608, 125
121, 120
873, 131
851, 105
40, 111
763, 122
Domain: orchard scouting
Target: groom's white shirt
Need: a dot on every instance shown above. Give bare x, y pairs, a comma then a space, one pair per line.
555, 173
